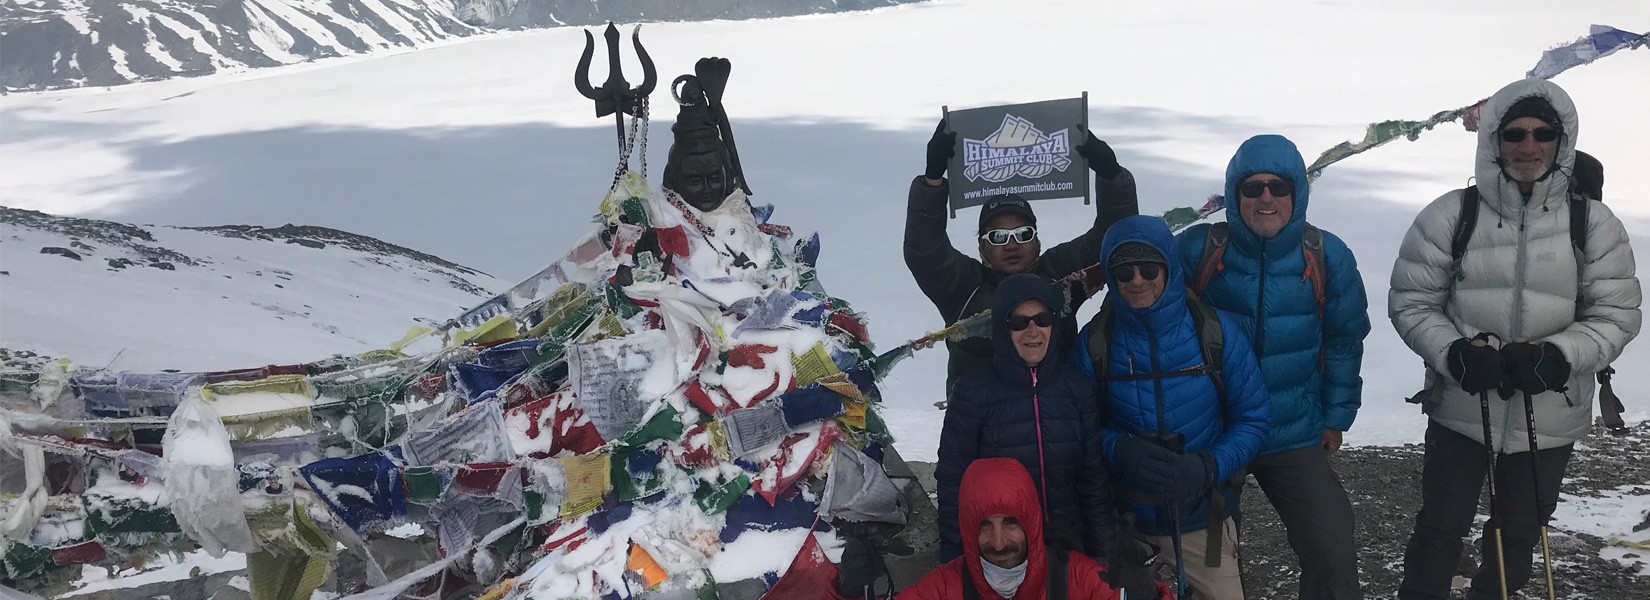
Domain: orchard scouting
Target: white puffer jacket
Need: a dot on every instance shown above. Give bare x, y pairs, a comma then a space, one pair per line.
1520, 281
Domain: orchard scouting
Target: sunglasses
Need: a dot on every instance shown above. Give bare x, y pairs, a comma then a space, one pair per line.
1513, 135
1000, 237
1020, 323
1279, 188
1147, 271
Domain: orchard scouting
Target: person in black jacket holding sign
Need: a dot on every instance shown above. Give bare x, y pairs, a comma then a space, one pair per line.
961, 286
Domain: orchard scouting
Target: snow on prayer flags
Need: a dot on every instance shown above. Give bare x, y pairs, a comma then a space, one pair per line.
643, 564
587, 481
1600, 42
752, 429
796, 458
549, 426
749, 512
365, 492
616, 379
154, 389
474, 435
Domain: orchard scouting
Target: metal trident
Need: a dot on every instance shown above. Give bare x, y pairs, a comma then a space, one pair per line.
615, 97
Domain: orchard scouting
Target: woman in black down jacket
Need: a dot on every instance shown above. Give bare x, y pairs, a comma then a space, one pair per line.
1033, 407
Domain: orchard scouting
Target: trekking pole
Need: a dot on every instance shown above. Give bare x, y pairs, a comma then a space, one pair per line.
1489, 472
1535, 483
1179, 555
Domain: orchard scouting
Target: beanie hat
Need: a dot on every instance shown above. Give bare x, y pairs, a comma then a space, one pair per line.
1532, 106
1005, 204
1135, 252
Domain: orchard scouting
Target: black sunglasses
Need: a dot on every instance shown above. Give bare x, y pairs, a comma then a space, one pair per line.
1000, 237
1020, 323
1513, 135
1279, 187
1125, 273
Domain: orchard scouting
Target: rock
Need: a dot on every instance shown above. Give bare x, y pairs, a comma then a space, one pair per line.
120, 263
307, 243
163, 265
64, 252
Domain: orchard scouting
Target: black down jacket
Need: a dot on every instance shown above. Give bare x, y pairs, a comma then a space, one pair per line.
1045, 417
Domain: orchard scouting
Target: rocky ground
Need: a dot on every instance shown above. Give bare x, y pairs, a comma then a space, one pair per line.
1385, 485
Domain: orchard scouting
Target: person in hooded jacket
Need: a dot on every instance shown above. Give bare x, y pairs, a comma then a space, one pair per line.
1310, 354
1004, 556
961, 286
1556, 318
1029, 406
1158, 394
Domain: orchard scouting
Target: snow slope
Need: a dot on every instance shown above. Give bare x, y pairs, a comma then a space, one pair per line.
152, 298
481, 152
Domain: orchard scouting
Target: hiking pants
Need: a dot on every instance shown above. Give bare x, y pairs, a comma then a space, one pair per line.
1452, 480
1317, 514
1207, 583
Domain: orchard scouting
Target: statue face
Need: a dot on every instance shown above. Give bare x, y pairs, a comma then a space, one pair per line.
703, 178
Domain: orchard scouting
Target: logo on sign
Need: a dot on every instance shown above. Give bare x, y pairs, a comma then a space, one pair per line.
1017, 148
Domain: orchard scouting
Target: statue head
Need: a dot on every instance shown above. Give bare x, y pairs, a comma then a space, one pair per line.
703, 167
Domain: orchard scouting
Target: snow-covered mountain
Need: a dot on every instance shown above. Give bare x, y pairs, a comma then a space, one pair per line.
67, 43
149, 298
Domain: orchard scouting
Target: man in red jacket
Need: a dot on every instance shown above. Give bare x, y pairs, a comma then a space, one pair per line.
1006, 558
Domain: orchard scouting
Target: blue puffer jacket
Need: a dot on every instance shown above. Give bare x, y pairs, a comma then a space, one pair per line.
1162, 338
1045, 417
1263, 287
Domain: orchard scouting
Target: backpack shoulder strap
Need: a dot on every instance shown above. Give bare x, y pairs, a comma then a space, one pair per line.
968, 591
1100, 346
1214, 248
1317, 272
1578, 225
1211, 339
1463, 228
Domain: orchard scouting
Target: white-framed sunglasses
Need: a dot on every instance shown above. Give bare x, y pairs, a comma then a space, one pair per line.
1000, 237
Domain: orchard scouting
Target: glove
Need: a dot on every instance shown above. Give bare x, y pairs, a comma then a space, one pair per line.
859, 568
1534, 369
1149, 466
941, 148
1478, 368
1102, 160
1194, 473
1130, 568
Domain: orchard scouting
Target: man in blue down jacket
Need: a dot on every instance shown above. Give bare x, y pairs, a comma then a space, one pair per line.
1031, 406
1154, 386
1310, 360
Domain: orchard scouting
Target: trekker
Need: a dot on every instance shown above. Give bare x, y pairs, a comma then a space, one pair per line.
1296, 292
1557, 314
961, 286
1004, 556
1183, 402
1031, 406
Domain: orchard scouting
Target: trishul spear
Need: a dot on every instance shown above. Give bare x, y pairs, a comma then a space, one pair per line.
615, 97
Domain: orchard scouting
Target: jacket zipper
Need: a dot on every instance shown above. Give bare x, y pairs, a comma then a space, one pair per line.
1260, 304
1037, 421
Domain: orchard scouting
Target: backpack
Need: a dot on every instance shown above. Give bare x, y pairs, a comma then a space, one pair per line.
1316, 269
1609, 404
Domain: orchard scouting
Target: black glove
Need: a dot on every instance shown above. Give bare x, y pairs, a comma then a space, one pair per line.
1147, 465
1534, 369
1478, 368
859, 568
941, 148
1194, 473
1130, 568
1102, 160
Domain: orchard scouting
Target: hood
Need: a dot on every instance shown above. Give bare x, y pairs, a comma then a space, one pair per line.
1011, 291
1267, 154
1151, 231
1500, 191
993, 486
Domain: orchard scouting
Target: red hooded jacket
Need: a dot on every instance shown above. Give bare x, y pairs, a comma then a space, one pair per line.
993, 486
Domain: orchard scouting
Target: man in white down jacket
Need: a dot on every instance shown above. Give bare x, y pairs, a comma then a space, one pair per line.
1556, 319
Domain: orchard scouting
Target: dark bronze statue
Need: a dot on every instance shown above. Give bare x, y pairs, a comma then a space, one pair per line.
703, 167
